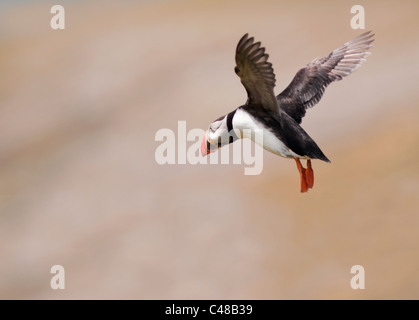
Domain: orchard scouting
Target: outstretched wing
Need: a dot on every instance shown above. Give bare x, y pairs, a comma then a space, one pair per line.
256, 74
308, 85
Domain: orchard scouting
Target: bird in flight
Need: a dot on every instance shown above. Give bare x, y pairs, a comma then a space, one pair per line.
279, 117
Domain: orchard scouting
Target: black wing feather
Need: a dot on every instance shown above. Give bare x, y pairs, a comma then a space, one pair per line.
256, 74
310, 82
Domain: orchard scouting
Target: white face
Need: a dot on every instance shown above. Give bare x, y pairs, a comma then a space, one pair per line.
217, 133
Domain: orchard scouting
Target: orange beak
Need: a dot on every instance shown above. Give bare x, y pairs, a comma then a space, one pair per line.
205, 146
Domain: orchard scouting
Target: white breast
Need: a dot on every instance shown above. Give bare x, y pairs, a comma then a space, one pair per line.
243, 120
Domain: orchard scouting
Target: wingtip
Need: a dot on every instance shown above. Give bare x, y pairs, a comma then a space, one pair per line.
243, 40
367, 36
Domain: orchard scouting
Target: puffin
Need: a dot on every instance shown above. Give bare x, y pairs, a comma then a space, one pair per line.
279, 117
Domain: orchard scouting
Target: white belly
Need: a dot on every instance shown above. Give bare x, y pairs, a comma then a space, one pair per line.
249, 128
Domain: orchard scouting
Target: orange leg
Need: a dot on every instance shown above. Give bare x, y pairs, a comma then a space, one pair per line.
303, 177
309, 175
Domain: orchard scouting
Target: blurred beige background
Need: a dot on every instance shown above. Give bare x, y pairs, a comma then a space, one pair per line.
79, 185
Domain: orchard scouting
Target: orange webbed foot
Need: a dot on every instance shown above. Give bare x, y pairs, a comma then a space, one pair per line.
303, 175
309, 175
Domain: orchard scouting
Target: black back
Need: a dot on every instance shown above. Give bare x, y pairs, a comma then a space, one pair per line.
288, 131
